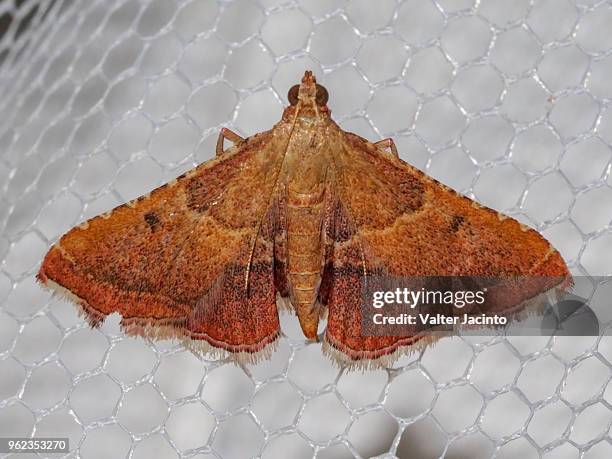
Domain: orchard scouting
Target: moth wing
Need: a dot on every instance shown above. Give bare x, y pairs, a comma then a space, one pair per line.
392, 220
193, 259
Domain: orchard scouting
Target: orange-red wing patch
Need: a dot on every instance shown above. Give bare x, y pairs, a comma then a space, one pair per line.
193, 259
417, 227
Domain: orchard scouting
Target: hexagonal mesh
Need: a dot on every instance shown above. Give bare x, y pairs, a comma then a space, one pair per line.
101, 101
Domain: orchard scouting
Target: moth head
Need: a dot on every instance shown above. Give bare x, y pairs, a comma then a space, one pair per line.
308, 92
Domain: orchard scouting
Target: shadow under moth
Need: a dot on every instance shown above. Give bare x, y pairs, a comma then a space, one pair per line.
305, 214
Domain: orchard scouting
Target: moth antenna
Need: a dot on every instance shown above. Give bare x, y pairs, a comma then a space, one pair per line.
270, 202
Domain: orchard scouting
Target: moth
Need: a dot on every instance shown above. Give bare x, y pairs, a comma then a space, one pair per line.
304, 213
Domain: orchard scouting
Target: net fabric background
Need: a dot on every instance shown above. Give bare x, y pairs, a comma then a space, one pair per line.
101, 101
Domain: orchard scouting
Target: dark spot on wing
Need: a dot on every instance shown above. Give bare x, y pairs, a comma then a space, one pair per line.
456, 223
152, 220
413, 192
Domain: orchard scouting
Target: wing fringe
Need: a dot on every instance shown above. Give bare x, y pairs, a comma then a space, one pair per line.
407, 346
172, 329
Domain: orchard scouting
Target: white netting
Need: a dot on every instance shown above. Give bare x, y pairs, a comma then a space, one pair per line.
101, 101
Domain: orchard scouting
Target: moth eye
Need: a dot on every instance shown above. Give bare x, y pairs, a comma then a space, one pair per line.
292, 95
322, 95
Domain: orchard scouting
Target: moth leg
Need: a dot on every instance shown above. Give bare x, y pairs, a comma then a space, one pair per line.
229, 135
387, 144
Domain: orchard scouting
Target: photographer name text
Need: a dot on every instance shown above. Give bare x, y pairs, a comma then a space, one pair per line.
415, 298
